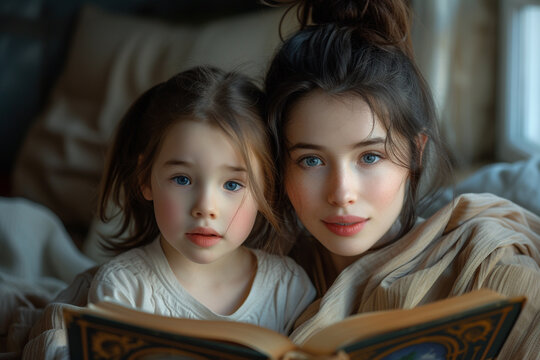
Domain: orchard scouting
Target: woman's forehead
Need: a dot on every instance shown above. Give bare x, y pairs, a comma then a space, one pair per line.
320, 115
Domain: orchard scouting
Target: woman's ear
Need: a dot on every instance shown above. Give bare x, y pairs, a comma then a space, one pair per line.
421, 141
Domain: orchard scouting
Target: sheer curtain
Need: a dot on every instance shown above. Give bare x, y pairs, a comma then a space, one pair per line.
455, 44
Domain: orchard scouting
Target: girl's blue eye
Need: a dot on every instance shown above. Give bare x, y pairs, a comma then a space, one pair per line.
182, 180
370, 158
232, 186
311, 161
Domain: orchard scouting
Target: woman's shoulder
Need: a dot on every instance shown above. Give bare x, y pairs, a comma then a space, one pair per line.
479, 203
473, 210
473, 228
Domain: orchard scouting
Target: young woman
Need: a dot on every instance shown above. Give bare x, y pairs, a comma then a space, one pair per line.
359, 153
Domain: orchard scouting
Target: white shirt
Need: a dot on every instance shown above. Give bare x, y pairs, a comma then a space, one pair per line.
142, 278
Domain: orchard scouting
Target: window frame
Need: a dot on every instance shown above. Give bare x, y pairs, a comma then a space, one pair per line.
512, 144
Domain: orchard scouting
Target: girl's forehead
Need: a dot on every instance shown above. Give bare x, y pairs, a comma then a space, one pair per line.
206, 143
190, 137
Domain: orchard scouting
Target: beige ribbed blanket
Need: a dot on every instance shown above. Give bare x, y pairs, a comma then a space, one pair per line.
477, 241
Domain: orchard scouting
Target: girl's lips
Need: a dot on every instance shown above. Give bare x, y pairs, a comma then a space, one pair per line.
345, 225
203, 237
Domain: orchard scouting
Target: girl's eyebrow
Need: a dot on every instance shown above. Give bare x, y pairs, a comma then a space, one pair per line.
176, 162
364, 143
235, 168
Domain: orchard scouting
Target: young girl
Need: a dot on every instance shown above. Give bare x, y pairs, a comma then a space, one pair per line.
190, 170
358, 153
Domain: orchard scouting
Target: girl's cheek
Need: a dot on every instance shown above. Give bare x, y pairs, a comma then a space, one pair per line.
169, 211
244, 219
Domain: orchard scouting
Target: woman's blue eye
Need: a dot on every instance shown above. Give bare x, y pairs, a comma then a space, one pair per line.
232, 186
311, 161
370, 158
182, 180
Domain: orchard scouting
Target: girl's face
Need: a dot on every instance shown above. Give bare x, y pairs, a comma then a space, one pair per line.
202, 203
342, 183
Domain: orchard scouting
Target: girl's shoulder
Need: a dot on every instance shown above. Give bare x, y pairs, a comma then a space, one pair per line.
127, 278
128, 263
278, 265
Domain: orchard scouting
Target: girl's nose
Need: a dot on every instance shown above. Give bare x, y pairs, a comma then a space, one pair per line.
205, 206
343, 188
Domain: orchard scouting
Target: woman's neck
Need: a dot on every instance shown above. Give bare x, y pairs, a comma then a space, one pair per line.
342, 262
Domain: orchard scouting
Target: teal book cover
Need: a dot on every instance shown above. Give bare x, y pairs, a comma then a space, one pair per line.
472, 335
96, 338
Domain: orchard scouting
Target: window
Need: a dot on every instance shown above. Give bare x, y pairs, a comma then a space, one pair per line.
519, 125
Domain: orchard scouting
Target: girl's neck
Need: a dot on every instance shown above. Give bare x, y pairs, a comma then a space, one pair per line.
223, 285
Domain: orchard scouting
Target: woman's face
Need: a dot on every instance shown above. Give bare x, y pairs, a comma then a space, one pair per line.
346, 188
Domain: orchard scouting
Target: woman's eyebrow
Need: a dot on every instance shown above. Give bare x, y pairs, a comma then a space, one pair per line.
370, 141
299, 146
363, 143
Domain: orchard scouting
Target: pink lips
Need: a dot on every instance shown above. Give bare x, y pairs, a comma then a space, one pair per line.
203, 237
345, 225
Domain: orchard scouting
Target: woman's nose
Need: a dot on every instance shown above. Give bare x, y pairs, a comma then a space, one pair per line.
343, 188
205, 205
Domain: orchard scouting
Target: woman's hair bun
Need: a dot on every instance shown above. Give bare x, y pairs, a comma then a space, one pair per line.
384, 21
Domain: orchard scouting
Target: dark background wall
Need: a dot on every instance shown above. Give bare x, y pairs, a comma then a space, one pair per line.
34, 38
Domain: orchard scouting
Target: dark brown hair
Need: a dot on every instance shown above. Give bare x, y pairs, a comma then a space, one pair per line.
382, 21
360, 48
227, 100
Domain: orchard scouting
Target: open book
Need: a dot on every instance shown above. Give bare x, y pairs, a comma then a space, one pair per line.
471, 326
